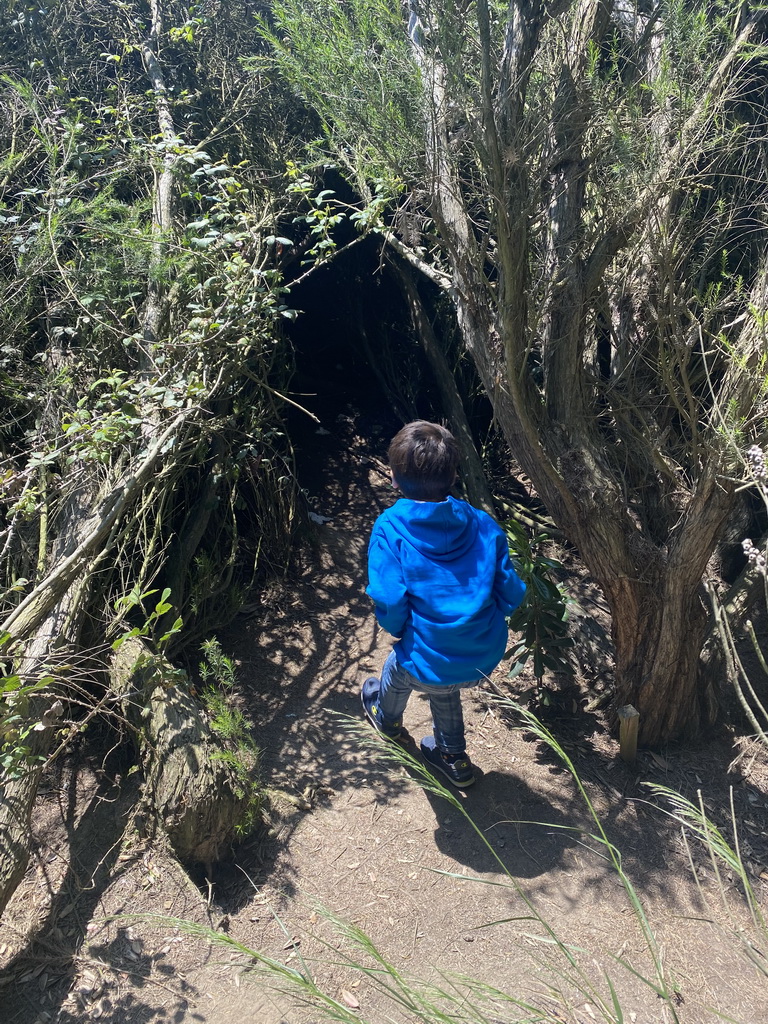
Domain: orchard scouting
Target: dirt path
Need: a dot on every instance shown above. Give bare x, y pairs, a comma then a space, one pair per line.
356, 835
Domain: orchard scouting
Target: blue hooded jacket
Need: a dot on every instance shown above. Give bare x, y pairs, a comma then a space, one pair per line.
442, 583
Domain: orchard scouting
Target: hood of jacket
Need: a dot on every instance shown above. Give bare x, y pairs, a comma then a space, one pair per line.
440, 530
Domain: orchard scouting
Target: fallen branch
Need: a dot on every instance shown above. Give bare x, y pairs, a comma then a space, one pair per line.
29, 615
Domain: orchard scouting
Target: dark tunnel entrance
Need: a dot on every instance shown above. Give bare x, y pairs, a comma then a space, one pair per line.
359, 371
359, 367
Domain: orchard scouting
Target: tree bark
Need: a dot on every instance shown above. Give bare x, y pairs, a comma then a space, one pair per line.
195, 790
49, 617
93, 534
156, 304
55, 632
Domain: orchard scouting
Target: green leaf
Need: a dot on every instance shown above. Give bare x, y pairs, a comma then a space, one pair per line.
126, 636
174, 629
11, 683
517, 668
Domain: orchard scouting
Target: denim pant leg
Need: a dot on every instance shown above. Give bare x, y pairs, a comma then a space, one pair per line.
397, 684
396, 687
447, 718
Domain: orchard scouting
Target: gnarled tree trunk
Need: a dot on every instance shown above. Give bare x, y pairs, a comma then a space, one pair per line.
651, 573
52, 632
198, 794
49, 618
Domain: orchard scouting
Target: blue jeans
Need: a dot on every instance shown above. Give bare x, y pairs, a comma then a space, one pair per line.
397, 685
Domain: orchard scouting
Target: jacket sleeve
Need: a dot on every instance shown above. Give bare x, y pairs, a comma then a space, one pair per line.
508, 588
386, 586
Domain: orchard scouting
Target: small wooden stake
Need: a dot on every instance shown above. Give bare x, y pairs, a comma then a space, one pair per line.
630, 720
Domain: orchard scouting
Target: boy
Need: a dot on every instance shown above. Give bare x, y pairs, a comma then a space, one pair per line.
443, 585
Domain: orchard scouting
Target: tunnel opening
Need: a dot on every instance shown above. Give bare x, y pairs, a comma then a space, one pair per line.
358, 369
360, 372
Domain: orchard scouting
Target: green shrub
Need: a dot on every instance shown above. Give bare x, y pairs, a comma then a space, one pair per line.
542, 619
218, 673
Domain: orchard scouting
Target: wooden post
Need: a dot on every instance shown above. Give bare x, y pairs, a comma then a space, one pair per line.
629, 718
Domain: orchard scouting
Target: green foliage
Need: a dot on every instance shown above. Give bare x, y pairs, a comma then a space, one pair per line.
217, 667
725, 857
218, 672
352, 63
637, 83
542, 618
88, 372
322, 211
17, 728
135, 599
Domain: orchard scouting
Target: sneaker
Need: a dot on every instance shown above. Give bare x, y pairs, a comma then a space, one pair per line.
370, 698
456, 767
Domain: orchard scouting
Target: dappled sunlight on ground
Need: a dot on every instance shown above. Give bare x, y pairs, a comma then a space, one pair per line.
352, 834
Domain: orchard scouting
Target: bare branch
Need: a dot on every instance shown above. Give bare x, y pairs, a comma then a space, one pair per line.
681, 155
438, 277
24, 619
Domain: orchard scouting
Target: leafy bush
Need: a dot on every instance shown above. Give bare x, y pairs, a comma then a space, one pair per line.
541, 620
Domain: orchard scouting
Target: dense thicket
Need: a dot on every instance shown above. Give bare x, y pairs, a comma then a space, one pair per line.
583, 181
138, 189
145, 480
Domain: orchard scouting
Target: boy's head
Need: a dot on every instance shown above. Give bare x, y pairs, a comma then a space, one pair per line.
423, 458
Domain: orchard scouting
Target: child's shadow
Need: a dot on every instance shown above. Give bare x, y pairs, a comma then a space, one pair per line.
520, 827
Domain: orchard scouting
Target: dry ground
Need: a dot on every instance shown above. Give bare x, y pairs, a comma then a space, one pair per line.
354, 834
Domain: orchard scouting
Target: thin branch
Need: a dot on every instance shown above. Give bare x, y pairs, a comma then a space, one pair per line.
438, 277
618, 234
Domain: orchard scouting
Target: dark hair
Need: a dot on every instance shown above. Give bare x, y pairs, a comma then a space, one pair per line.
423, 458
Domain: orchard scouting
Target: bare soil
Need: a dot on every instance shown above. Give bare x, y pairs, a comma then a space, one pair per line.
352, 833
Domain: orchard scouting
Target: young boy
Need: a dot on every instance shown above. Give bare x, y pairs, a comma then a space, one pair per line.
443, 585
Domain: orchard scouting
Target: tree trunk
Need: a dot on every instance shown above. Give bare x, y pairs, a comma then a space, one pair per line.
48, 618
156, 305
84, 539
55, 630
658, 633
198, 793
472, 472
